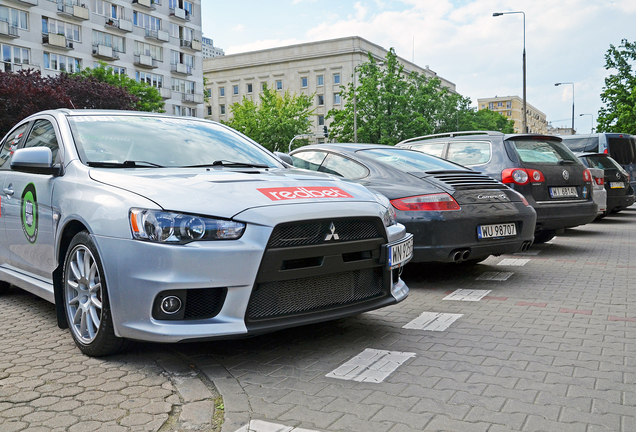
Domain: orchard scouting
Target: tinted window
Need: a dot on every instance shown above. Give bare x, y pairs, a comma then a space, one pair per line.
435, 149
310, 160
540, 151
583, 144
10, 144
409, 160
43, 135
602, 162
622, 150
469, 153
343, 167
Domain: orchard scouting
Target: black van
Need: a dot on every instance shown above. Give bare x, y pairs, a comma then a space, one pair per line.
620, 146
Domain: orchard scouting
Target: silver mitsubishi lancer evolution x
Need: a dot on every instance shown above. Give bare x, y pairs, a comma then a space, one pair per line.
158, 228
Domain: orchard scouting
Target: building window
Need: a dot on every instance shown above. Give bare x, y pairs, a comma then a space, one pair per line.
107, 9
321, 120
499, 104
263, 86
222, 109
491, 105
184, 111
117, 43
183, 86
70, 31
509, 104
320, 80
15, 18
149, 78
61, 63
12, 56
221, 91
235, 89
155, 52
321, 100
508, 113
146, 21
336, 78
303, 82
209, 110
249, 88
279, 84
336, 98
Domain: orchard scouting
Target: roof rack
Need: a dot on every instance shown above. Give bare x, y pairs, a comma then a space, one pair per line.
451, 135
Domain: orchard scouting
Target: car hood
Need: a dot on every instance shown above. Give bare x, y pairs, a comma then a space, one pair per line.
226, 192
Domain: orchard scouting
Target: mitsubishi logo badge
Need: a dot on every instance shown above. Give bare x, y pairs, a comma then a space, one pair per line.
333, 235
566, 175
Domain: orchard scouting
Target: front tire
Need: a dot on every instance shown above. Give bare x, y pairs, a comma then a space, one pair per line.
86, 299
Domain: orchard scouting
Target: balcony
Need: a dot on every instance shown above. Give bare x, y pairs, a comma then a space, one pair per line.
166, 93
181, 68
25, 2
105, 52
7, 30
193, 45
149, 4
57, 41
159, 35
195, 98
182, 14
118, 24
15, 67
145, 60
73, 9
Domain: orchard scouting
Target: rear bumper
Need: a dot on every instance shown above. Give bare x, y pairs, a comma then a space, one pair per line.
619, 202
553, 216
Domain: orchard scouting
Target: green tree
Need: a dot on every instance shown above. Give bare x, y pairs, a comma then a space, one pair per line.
487, 120
149, 98
275, 121
618, 95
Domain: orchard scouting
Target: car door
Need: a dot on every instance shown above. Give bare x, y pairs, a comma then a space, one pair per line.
27, 210
7, 147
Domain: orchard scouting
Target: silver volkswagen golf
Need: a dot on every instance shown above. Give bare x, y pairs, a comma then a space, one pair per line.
158, 228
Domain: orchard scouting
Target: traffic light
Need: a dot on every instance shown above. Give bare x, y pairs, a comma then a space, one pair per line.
325, 132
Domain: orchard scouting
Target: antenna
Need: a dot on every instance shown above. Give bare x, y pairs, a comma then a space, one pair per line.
72, 104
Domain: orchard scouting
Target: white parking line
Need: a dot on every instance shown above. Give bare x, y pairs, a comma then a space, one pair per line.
495, 276
467, 295
371, 366
433, 321
533, 252
263, 426
518, 262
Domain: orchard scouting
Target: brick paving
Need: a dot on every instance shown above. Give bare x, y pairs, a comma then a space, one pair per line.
552, 347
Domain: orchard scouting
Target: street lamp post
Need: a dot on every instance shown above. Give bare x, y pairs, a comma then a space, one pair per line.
558, 84
525, 111
592, 116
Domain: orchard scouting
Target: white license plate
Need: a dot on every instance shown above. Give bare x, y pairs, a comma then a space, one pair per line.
401, 253
563, 192
617, 185
496, 230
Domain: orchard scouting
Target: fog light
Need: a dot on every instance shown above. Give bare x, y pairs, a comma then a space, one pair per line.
171, 305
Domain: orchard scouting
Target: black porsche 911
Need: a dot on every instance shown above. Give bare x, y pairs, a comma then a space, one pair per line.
454, 213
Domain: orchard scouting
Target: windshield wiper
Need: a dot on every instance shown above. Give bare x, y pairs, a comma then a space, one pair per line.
231, 164
124, 164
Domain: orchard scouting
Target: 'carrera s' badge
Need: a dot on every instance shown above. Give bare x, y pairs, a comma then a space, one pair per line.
332, 235
290, 193
566, 175
29, 213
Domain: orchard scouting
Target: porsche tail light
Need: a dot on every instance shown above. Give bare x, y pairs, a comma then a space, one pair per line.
433, 202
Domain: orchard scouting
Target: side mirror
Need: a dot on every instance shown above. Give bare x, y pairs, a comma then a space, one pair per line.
35, 160
284, 157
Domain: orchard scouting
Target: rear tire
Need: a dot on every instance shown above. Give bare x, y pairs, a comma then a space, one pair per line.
544, 236
86, 299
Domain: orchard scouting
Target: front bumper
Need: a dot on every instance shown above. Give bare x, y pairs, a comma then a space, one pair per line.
138, 273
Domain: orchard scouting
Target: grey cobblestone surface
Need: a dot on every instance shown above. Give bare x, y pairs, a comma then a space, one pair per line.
552, 348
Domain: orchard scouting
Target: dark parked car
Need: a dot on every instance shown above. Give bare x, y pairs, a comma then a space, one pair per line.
545, 171
454, 213
620, 193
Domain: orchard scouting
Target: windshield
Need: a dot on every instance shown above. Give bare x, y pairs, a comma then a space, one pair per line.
107, 140
543, 151
410, 160
602, 162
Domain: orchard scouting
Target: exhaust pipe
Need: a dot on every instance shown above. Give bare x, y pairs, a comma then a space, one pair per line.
465, 255
457, 256
460, 255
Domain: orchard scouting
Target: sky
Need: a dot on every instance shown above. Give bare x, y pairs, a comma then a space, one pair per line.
565, 41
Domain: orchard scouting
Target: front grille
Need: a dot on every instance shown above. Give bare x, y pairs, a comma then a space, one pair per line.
204, 303
316, 232
468, 181
275, 299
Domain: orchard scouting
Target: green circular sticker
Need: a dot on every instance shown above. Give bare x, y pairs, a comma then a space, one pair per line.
29, 213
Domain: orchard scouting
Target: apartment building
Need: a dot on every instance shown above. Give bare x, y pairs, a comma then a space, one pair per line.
322, 69
512, 108
209, 50
155, 41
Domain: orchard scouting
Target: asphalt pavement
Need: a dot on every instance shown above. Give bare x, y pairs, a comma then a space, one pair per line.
537, 341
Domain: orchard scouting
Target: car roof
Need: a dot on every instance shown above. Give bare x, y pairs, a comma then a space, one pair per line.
98, 112
479, 135
586, 154
351, 147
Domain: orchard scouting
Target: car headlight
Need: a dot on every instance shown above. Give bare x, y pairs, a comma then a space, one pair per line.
177, 228
389, 217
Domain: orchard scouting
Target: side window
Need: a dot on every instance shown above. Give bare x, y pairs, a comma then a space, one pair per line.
469, 153
10, 144
343, 167
434, 149
43, 135
309, 160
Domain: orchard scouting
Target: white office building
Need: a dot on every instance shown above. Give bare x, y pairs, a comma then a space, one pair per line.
155, 41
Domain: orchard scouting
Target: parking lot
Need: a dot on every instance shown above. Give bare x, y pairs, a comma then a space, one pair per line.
539, 341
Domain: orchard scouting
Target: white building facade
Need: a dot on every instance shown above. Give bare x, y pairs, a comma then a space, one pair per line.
322, 69
155, 41
209, 50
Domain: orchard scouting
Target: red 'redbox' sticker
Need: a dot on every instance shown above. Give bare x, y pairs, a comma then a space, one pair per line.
291, 193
